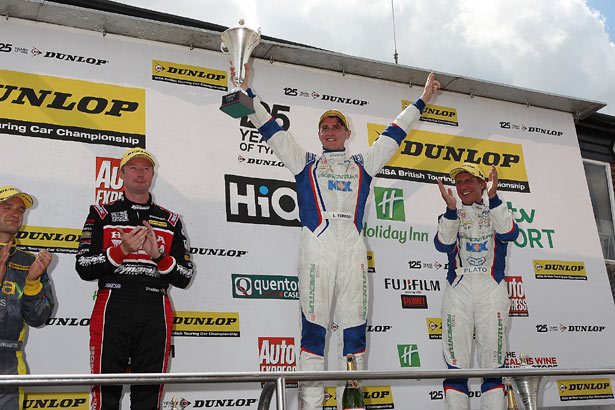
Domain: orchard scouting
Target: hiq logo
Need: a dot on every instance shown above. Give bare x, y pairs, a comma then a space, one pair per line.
408, 355
261, 201
390, 204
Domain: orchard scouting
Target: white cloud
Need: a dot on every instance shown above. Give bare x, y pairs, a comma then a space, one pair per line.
556, 46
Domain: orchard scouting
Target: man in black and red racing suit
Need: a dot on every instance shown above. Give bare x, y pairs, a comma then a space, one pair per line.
135, 249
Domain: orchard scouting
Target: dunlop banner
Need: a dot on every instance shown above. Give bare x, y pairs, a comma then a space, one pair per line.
58, 240
585, 389
426, 156
375, 397
189, 75
434, 327
371, 262
71, 110
436, 114
206, 324
76, 401
545, 269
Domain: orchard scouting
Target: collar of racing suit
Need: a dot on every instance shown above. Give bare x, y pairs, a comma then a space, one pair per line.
476, 205
332, 155
136, 205
13, 247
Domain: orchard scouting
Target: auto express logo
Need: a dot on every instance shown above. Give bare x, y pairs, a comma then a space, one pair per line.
314, 95
507, 125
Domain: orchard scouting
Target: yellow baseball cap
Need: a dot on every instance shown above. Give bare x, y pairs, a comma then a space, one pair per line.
335, 113
8, 192
136, 152
470, 168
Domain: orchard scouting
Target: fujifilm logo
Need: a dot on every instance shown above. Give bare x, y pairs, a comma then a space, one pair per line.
261, 201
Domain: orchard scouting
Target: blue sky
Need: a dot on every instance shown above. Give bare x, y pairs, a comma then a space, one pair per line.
607, 10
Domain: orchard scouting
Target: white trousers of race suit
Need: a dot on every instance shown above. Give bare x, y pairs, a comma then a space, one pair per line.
332, 269
474, 302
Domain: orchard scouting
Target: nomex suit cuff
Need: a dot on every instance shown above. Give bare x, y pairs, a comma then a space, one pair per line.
33, 287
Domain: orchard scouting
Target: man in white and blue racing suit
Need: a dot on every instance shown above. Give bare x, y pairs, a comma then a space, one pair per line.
332, 189
475, 237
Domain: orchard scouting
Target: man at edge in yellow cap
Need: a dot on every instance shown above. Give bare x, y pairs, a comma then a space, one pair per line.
332, 189
19, 271
475, 238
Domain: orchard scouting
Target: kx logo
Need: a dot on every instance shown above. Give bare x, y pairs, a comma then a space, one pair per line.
390, 204
343, 186
408, 355
476, 247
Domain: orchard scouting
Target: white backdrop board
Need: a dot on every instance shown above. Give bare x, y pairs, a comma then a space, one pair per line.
71, 101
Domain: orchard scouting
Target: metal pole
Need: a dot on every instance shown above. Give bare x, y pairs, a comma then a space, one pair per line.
394, 36
240, 377
281, 393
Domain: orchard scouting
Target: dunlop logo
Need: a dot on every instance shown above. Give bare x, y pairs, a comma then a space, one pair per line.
547, 269
189, 75
73, 401
585, 389
57, 240
436, 114
371, 262
378, 397
71, 110
375, 397
428, 156
434, 327
206, 324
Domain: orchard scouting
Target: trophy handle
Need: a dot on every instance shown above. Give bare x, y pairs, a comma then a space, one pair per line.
223, 48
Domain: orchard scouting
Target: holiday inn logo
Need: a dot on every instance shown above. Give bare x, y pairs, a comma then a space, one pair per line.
390, 204
408, 355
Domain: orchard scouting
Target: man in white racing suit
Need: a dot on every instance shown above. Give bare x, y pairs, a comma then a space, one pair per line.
475, 237
332, 189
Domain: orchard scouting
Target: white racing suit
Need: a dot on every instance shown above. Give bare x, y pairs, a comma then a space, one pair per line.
332, 190
476, 296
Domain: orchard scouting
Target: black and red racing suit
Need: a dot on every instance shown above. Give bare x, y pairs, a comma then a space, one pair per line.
132, 317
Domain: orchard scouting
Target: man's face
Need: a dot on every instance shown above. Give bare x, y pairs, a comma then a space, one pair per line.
469, 188
333, 134
137, 175
11, 216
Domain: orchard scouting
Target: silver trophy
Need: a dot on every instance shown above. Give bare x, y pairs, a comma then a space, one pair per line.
527, 386
238, 42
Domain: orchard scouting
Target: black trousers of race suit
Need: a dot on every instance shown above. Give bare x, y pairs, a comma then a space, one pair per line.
130, 330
